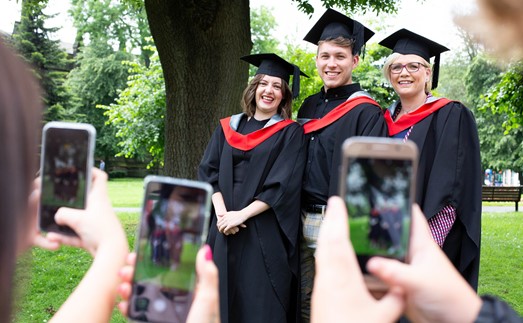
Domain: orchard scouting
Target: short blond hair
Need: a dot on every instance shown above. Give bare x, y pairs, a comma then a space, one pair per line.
341, 42
393, 57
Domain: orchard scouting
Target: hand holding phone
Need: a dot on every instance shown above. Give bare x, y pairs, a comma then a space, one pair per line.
173, 227
378, 186
65, 170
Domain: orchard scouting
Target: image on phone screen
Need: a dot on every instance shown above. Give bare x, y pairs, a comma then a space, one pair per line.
64, 173
379, 206
170, 235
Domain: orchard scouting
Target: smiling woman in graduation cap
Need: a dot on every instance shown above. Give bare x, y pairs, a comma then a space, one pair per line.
449, 174
255, 162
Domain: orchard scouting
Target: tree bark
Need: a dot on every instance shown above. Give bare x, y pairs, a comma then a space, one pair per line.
199, 43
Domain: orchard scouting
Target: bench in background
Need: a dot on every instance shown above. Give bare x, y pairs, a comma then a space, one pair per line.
502, 194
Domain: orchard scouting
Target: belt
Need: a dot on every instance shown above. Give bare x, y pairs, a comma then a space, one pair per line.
316, 208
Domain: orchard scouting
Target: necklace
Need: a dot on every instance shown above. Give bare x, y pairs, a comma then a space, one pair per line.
398, 109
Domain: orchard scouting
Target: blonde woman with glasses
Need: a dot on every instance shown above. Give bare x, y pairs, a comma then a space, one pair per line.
449, 175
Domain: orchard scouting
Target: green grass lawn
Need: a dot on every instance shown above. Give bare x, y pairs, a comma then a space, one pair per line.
126, 192
502, 257
45, 278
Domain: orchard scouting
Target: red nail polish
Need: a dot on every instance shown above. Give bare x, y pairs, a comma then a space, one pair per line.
208, 253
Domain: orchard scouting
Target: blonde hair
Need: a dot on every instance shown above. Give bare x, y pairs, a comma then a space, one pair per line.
393, 57
498, 24
248, 101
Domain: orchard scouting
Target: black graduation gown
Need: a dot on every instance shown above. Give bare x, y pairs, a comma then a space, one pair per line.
324, 155
450, 173
258, 266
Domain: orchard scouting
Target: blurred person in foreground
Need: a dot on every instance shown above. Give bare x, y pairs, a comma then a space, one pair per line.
99, 231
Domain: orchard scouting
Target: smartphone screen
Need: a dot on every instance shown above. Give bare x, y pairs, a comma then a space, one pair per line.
173, 226
379, 206
378, 187
66, 160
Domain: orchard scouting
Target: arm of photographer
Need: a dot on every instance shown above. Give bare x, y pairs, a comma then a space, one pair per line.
101, 234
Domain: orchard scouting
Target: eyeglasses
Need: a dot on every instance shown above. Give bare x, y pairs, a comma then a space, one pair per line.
411, 67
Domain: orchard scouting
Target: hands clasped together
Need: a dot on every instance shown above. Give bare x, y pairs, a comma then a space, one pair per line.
231, 222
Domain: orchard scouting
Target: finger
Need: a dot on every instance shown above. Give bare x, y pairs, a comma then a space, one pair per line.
131, 258
126, 273
124, 290
98, 185
333, 243
64, 240
123, 306
44, 243
205, 305
421, 237
243, 225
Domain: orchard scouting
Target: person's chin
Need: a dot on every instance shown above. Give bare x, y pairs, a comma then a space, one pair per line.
331, 84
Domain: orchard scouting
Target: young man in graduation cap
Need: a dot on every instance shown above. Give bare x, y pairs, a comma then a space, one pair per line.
255, 162
338, 111
449, 178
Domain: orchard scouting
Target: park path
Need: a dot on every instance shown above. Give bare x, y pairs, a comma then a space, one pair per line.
503, 209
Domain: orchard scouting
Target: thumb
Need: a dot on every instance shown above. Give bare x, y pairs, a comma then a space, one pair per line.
69, 217
393, 304
394, 273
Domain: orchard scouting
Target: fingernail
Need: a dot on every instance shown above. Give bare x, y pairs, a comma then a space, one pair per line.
208, 252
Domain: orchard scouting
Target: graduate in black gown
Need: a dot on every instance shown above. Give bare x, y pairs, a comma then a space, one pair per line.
449, 174
255, 161
340, 110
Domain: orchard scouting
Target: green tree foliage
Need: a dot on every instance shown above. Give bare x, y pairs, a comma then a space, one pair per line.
499, 122
452, 80
306, 61
387, 6
507, 97
50, 62
138, 114
108, 32
263, 24
481, 75
98, 76
121, 24
369, 75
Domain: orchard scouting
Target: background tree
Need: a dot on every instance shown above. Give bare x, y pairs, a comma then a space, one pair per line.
138, 112
263, 25
499, 122
108, 33
98, 76
50, 62
369, 74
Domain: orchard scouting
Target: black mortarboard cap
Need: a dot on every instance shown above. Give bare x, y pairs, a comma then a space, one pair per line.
406, 42
334, 24
274, 65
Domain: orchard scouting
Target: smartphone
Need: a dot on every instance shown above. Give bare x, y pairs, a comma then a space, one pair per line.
173, 226
66, 160
378, 186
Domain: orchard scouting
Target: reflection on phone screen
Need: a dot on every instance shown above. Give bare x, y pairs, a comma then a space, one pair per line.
170, 235
377, 198
64, 173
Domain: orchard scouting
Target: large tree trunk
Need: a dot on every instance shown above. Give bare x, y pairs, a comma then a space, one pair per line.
199, 43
